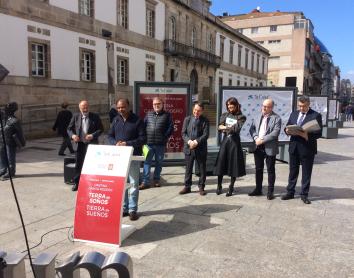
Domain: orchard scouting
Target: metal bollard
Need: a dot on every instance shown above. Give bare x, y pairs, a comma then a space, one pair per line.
15, 265
92, 262
44, 265
66, 269
120, 262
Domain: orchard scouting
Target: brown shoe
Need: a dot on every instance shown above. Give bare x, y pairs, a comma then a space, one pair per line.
133, 216
143, 186
157, 184
185, 190
202, 192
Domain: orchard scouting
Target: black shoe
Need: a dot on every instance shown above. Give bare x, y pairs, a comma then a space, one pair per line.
270, 196
230, 192
219, 190
201, 191
305, 200
61, 154
185, 190
255, 193
75, 187
125, 214
133, 216
287, 196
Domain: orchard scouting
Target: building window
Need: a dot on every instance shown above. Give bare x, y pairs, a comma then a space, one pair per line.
150, 19
238, 82
254, 30
210, 43
245, 84
239, 55
257, 65
274, 41
300, 24
230, 82
86, 7
252, 61
172, 29
221, 81
87, 65
246, 58
222, 48
263, 65
150, 72
172, 75
122, 71
194, 38
39, 58
273, 28
231, 57
123, 13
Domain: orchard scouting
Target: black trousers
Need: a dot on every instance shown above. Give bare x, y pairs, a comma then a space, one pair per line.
201, 163
66, 144
259, 157
80, 157
306, 162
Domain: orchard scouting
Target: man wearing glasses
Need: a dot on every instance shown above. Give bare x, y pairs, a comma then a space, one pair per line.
159, 127
265, 132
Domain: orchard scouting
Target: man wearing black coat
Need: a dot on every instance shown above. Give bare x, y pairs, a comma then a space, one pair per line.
195, 133
302, 149
84, 129
61, 125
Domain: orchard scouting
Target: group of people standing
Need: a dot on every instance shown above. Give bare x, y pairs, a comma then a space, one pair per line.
128, 129
264, 131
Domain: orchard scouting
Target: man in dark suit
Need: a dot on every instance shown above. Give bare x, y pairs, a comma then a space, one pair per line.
195, 133
61, 125
84, 129
265, 132
302, 149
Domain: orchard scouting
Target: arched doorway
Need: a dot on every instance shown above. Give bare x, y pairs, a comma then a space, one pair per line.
194, 85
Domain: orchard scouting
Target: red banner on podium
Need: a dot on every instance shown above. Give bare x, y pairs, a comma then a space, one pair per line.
100, 196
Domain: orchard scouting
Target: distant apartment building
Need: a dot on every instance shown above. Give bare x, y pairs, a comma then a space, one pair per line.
60, 50
295, 59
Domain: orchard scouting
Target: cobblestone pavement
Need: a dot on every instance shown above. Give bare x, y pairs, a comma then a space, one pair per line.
195, 236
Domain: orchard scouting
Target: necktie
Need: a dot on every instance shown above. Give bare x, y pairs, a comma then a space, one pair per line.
85, 124
301, 119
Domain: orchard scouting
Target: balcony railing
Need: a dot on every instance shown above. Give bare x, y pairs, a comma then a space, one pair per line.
174, 48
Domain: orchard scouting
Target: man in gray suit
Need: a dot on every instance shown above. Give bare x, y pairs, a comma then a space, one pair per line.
265, 132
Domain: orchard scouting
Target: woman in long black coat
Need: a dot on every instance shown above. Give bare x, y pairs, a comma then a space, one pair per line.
230, 157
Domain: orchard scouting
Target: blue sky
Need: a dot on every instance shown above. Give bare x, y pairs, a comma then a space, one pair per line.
333, 22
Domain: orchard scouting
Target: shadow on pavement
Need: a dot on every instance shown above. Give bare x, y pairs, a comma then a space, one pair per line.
186, 220
323, 158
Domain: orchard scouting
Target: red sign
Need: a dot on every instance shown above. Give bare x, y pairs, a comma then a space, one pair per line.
101, 191
175, 102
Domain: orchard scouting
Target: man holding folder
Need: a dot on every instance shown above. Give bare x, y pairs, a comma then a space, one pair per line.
302, 148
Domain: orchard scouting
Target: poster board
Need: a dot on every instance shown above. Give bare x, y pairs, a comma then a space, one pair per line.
251, 100
320, 105
332, 109
177, 101
100, 195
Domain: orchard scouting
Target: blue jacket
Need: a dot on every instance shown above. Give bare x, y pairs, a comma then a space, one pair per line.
131, 131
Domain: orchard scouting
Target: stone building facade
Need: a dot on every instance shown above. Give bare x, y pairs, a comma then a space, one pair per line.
295, 58
59, 50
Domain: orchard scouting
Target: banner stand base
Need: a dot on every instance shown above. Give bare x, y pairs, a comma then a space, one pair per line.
126, 231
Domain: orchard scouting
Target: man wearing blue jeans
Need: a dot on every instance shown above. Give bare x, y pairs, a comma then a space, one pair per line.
159, 127
127, 129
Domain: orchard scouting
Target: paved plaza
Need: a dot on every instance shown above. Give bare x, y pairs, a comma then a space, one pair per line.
195, 236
